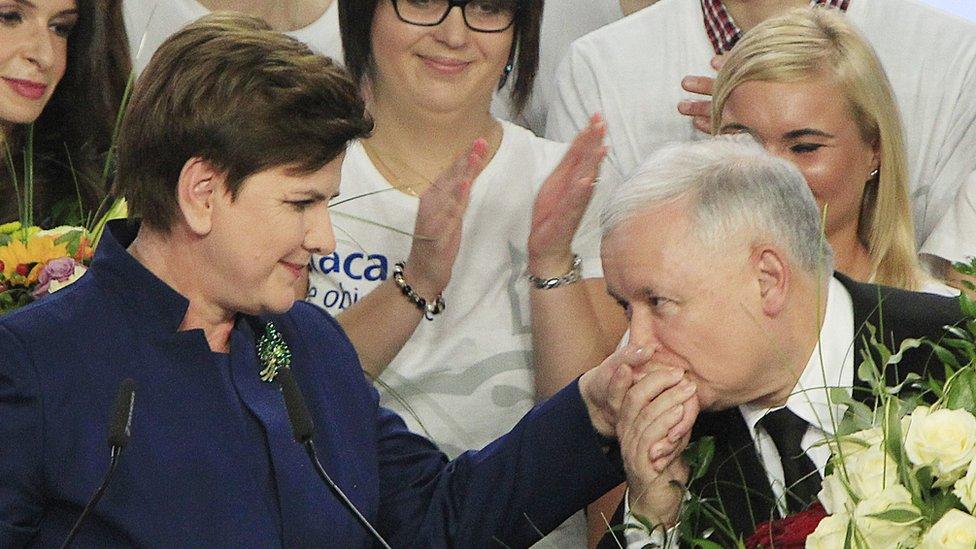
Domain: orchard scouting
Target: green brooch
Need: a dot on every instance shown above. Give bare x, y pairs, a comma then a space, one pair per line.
273, 352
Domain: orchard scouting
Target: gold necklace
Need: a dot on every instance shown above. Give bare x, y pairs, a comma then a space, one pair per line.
392, 176
397, 179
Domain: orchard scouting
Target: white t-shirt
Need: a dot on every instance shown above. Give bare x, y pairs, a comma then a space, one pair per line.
149, 22
466, 377
563, 22
631, 72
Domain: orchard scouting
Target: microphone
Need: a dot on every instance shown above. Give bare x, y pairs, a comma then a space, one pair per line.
303, 428
118, 436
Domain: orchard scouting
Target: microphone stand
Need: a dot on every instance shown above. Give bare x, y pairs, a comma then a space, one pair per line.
310, 450
116, 452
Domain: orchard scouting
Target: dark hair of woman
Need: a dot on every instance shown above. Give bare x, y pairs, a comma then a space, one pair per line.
356, 25
73, 134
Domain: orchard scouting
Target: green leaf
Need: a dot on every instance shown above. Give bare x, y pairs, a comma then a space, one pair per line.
940, 504
897, 516
698, 455
706, 544
967, 305
961, 344
72, 239
944, 355
868, 370
961, 393
925, 478
909, 380
906, 345
4, 239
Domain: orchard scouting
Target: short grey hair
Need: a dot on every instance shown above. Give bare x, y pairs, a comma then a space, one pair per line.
733, 184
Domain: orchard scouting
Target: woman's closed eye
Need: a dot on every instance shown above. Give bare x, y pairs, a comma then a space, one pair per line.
801, 148
11, 18
63, 28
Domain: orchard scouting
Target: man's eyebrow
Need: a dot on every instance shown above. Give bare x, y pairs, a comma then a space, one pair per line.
806, 132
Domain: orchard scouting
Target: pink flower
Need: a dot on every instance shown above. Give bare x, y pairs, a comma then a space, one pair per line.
60, 269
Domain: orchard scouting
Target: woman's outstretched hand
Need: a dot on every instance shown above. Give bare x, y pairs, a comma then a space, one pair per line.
562, 201
437, 232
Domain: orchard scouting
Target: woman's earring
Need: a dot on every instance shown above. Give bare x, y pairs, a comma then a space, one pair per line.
505, 73
874, 174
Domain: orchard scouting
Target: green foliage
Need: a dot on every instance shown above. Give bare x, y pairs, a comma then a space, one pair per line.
13, 299
961, 391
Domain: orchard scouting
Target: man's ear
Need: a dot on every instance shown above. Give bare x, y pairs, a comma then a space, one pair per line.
198, 186
774, 277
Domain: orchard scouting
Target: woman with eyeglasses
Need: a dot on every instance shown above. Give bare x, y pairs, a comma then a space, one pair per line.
465, 303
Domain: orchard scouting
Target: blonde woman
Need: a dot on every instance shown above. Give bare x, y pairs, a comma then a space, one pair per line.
811, 90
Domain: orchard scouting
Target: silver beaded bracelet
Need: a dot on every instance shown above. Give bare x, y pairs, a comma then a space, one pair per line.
574, 275
428, 308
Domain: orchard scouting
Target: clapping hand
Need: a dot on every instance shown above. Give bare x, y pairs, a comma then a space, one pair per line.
439, 220
562, 200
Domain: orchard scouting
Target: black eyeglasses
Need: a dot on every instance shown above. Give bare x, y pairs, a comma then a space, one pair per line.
479, 15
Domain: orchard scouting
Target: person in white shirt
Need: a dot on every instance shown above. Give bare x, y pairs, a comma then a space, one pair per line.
460, 339
149, 22
563, 22
632, 72
715, 250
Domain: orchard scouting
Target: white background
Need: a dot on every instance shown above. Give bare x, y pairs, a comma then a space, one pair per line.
965, 8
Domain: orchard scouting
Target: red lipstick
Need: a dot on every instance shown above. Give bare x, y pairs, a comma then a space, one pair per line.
27, 89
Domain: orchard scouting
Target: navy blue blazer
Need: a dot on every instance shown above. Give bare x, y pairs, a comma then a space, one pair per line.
212, 462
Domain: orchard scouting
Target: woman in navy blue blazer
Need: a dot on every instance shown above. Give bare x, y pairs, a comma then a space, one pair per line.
230, 152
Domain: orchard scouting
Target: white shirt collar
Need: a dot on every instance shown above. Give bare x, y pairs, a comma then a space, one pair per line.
831, 364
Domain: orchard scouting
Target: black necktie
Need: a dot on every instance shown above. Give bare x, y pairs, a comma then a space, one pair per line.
799, 474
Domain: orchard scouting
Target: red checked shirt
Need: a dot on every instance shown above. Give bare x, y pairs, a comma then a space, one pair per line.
722, 31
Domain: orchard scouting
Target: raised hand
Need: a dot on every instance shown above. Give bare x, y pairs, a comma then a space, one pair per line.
437, 232
562, 200
700, 111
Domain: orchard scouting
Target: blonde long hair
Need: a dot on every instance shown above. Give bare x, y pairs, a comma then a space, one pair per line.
809, 43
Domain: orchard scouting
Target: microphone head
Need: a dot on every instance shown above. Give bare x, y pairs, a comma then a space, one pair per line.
121, 427
298, 414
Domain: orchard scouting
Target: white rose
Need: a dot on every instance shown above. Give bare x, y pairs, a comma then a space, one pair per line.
944, 439
965, 488
56, 285
954, 530
834, 496
848, 445
870, 471
830, 533
878, 532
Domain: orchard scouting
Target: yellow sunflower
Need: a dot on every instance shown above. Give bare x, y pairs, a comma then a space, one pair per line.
39, 249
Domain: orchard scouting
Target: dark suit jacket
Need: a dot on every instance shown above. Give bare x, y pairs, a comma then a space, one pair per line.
212, 462
736, 480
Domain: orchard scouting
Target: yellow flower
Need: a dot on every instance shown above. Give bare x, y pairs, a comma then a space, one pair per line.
8, 228
37, 250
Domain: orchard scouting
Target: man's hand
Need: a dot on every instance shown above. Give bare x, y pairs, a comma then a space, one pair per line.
654, 427
700, 110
